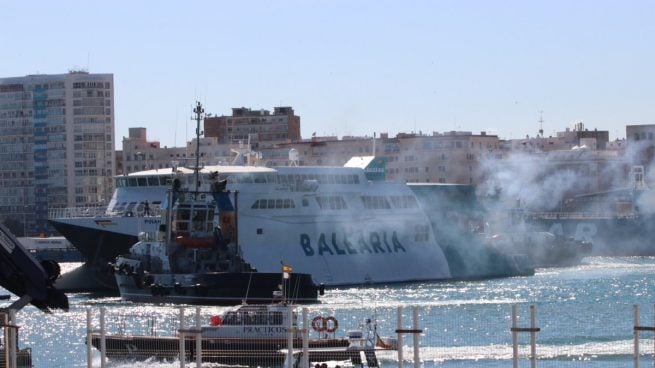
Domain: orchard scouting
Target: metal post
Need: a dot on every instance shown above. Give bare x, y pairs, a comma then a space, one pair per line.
5, 327
89, 339
533, 337
305, 338
515, 339
12, 343
182, 338
416, 335
290, 338
636, 335
103, 340
399, 336
198, 339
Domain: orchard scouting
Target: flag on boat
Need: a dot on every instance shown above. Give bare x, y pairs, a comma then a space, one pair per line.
286, 270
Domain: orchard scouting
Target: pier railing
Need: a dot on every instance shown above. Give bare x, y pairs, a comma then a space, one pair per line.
304, 341
425, 336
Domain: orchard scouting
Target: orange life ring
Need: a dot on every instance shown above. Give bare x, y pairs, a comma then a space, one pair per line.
326, 324
318, 324
215, 321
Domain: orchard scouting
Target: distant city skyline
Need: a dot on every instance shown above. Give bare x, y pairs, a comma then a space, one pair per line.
352, 68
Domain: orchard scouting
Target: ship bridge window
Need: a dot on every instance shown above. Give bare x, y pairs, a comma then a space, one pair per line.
331, 202
243, 178
375, 202
153, 181
130, 207
142, 182
404, 202
119, 207
131, 182
273, 203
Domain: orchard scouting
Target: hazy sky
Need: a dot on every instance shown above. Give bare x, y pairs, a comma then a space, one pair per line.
351, 67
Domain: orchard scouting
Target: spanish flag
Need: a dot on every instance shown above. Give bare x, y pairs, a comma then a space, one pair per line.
286, 270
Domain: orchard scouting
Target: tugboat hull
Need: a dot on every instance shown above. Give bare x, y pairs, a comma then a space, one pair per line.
217, 288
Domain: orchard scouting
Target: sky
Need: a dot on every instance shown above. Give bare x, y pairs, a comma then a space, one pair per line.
351, 67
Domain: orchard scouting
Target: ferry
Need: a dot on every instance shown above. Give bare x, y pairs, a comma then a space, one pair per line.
331, 222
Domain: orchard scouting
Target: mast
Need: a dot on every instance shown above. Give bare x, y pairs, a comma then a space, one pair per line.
199, 111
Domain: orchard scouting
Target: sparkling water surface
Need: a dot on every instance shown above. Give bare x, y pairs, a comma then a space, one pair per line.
585, 314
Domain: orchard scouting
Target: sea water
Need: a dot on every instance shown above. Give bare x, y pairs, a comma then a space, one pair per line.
585, 316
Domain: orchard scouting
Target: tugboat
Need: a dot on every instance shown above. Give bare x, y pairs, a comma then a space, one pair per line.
195, 259
192, 262
254, 335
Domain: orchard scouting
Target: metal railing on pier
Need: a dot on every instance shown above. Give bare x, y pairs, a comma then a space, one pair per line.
417, 341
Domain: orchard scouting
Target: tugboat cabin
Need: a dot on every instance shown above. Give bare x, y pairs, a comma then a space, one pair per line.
252, 321
193, 223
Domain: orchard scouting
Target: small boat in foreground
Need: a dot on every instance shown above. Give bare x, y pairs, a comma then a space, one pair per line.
254, 335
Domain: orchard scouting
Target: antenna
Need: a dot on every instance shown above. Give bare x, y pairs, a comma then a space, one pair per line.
199, 111
541, 123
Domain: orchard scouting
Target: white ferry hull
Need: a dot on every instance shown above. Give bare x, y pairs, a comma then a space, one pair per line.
342, 252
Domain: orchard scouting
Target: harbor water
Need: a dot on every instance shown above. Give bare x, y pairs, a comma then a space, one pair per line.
585, 316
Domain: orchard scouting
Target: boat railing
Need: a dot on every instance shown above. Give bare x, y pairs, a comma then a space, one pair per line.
81, 212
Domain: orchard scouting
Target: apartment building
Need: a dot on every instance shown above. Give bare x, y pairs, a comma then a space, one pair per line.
56, 144
450, 157
259, 127
141, 154
641, 139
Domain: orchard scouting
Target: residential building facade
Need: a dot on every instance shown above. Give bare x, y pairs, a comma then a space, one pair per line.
259, 127
56, 144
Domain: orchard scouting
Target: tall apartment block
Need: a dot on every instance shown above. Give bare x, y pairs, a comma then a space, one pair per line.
56, 145
260, 127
